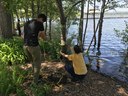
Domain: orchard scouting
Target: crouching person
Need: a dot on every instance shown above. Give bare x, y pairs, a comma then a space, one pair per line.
78, 69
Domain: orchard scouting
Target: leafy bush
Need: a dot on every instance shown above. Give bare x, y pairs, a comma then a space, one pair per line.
51, 49
123, 34
40, 90
12, 77
124, 37
12, 51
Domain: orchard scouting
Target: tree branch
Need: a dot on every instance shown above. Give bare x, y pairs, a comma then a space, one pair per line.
72, 8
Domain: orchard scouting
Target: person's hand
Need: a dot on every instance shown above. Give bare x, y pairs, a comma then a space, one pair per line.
63, 54
42, 35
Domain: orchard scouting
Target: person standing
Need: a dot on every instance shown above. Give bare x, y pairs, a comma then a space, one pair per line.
32, 31
18, 27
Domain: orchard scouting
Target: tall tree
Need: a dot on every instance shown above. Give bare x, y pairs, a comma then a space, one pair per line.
63, 24
86, 24
63, 20
33, 8
26, 8
38, 6
94, 23
106, 5
81, 24
5, 22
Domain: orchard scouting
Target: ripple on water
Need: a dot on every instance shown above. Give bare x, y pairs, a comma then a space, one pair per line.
112, 66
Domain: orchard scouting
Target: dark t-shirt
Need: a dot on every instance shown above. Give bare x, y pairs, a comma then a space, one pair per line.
31, 31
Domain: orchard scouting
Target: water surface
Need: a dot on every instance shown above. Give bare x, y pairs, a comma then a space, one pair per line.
111, 60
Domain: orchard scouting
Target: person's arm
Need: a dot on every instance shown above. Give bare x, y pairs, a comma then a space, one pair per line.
42, 35
63, 54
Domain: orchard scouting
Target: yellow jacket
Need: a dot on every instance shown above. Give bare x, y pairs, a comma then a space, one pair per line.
78, 63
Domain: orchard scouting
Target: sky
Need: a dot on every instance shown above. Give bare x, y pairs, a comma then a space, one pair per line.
116, 9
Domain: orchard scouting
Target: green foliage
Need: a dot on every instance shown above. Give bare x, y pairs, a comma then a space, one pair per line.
124, 37
51, 49
123, 34
12, 51
40, 90
11, 79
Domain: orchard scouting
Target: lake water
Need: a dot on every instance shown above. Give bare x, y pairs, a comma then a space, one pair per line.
111, 60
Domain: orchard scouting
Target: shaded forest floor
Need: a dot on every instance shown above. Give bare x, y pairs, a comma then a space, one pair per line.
94, 84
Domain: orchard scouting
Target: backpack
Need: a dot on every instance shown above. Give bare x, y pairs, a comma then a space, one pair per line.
30, 37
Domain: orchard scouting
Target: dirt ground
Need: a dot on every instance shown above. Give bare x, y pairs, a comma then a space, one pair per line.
95, 84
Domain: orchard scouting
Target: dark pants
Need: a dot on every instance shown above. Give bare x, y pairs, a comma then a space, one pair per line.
69, 68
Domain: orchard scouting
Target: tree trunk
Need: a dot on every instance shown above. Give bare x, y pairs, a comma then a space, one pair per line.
94, 24
81, 24
63, 25
38, 7
50, 28
85, 30
93, 36
13, 25
5, 23
46, 12
101, 24
32, 8
26, 13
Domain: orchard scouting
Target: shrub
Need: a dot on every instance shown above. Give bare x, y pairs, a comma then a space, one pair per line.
12, 51
123, 34
50, 49
12, 77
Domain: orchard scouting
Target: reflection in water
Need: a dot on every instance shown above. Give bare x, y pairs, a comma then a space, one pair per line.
110, 62
98, 60
98, 53
98, 64
112, 66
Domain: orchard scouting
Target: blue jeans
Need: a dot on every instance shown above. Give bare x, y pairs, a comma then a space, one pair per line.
69, 68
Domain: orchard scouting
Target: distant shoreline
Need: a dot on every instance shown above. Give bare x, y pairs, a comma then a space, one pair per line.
107, 18
108, 15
